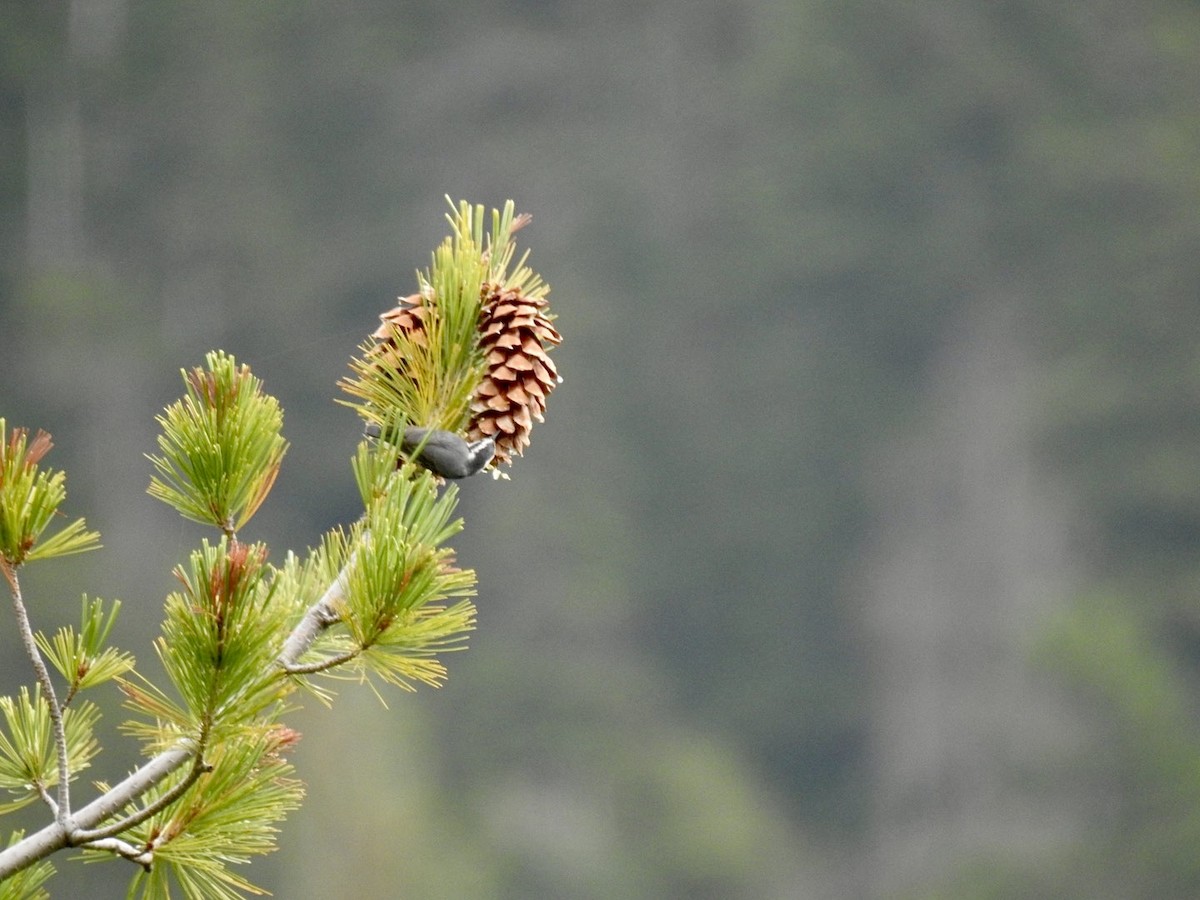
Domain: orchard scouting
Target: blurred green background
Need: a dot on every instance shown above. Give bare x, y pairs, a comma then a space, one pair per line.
858, 554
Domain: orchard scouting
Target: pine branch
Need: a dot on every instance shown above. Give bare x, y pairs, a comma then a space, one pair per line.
323, 665
58, 835
84, 827
95, 835
320, 616
125, 849
62, 809
459, 373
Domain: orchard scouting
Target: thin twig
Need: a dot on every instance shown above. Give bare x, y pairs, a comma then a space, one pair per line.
91, 836
142, 856
47, 799
63, 813
322, 665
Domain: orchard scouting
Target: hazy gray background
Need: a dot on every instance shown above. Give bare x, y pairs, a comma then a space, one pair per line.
857, 555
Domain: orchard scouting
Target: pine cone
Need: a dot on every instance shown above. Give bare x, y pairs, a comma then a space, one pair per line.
515, 334
408, 318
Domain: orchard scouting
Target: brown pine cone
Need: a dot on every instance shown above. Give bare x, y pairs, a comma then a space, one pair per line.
408, 318
515, 334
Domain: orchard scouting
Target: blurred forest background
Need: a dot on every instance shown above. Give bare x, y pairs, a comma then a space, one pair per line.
858, 554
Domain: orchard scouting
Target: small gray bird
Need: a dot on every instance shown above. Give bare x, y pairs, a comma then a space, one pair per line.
444, 452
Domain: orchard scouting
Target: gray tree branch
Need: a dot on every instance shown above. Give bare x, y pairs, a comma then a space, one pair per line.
83, 827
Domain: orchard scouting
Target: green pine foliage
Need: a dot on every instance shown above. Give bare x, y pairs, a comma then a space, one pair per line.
228, 816
394, 606
29, 499
403, 601
221, 446
83, 658
28, 766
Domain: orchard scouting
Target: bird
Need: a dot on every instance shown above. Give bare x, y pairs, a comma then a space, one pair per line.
444, 452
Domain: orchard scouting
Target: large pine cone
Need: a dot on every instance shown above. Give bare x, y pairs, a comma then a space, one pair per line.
515, 334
